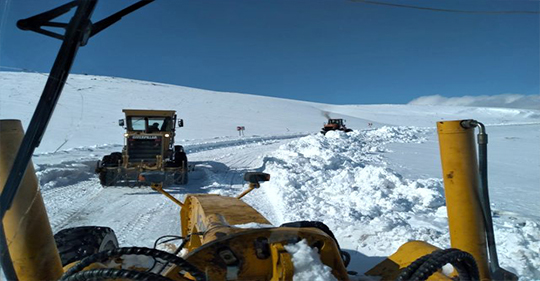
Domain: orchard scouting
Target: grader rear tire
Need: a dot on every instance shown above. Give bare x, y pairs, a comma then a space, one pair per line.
107, 177
79, 242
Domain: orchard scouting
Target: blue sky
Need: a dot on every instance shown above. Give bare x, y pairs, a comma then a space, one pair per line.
327, 51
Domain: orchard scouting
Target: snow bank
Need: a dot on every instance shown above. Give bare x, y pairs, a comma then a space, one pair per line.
343, 180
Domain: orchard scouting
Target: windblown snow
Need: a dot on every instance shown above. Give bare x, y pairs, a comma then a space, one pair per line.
376, 188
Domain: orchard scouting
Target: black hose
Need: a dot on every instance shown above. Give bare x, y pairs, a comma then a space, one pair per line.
482, 139
113, 273
118, 252
484, 193
346, 257
157, 242
184, 242
427, 265
412, 268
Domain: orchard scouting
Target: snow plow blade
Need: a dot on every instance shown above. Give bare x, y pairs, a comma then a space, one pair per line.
229, 240
120, 176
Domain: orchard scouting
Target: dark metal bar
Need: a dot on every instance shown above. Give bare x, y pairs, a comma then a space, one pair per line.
78, 25
78, 30
5, 258
106, 22
36, 21
56, 24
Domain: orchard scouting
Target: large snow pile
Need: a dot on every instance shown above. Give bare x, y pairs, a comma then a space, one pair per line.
343, 180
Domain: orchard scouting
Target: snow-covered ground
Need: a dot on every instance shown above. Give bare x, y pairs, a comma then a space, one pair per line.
376, 187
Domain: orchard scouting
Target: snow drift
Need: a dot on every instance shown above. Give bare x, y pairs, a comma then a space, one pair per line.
503, 100
343, 180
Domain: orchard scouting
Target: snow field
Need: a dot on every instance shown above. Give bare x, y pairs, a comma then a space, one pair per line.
342, 180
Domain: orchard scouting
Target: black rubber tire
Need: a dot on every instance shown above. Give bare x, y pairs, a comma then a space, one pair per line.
116, 157
180, 160
181, 178
112, 160
77, 243
107, 177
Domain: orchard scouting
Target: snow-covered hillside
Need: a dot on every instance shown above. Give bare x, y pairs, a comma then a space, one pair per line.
91, 106
376, 188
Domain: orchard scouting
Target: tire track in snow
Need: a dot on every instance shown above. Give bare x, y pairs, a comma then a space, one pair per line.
219, 144
60, 213
244, 158
74, 196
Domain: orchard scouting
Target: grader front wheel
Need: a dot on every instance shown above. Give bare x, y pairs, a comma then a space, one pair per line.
107, 177
79, 242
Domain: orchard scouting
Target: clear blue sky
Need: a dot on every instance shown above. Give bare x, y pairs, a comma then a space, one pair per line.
328, 51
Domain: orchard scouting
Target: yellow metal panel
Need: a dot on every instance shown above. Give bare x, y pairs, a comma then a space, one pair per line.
283, 268
460, 176
202, 212
28, 232
252, 265
210, 219
391, 267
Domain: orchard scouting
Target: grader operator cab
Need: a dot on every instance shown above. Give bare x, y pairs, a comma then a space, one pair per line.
148, 146
215, 243
335, 125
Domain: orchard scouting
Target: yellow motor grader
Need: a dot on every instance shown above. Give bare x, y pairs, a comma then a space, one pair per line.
216, 243
148, 146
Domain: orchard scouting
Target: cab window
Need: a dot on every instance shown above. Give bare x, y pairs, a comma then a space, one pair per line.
137, 124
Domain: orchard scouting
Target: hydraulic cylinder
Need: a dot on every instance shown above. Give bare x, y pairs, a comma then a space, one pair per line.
28, 232
461, 185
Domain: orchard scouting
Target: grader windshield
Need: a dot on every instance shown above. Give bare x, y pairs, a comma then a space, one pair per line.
149, 124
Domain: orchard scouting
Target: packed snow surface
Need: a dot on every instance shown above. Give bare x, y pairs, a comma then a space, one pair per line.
376, 188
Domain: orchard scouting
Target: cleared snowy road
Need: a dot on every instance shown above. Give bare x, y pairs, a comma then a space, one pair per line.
74, 197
